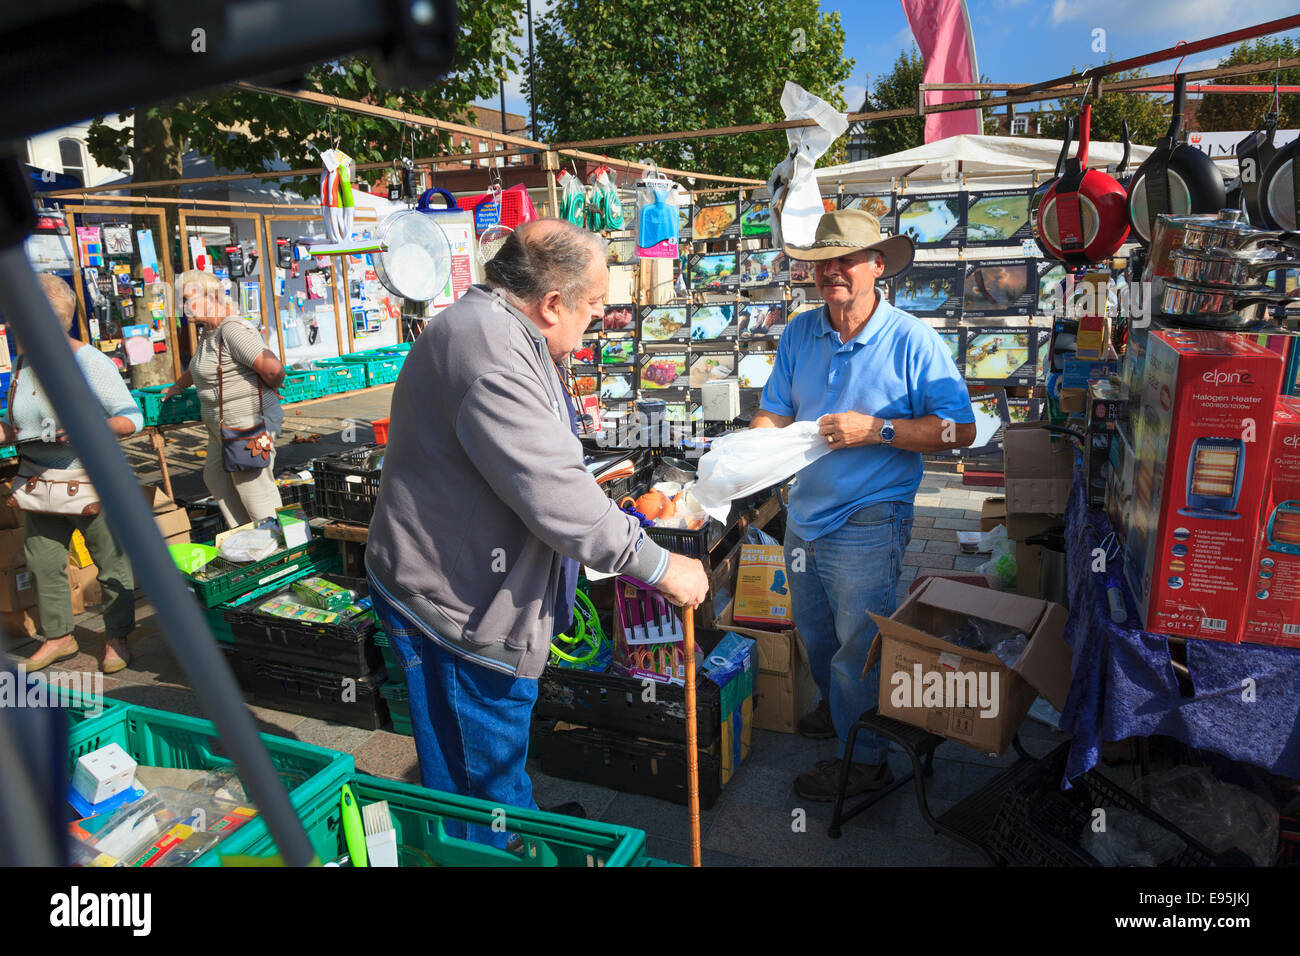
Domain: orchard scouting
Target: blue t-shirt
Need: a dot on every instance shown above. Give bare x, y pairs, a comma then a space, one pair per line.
897, 367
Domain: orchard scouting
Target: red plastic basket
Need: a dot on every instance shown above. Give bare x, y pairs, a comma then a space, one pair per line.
380, 425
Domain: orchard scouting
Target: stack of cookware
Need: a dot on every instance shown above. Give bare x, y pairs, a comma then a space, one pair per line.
1214, 271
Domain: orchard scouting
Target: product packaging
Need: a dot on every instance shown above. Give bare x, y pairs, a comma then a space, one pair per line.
1273, 609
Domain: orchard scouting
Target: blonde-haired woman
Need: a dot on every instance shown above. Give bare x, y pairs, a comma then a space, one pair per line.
237, 378
44, 454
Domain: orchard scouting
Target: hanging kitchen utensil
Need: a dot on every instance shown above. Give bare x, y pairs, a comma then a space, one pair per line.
1175, 178
1082, 218
1279, 190
336, 200
1229, 230
492, 238
1254, 153
1036, 199
411, 254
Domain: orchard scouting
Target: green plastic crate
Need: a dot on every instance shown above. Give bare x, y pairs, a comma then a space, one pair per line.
399, 706
397, 349
299, 386
183, 408
158, 738
379, 369
331, 562
78, 706
392, 666
549, 839
225, 587
341, 376
7, 452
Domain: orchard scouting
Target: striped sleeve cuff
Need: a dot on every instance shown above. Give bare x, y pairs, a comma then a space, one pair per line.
649, 564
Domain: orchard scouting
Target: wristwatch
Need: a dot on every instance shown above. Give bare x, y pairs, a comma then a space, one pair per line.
887, 432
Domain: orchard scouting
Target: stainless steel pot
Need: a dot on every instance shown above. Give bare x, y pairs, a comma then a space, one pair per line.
1229, 230
1227, 268
1187, 303
674, 469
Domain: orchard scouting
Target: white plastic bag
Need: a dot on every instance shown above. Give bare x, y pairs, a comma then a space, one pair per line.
254, 545
796, 196
742, 463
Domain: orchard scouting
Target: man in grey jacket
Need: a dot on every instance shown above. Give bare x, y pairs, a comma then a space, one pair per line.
485, 510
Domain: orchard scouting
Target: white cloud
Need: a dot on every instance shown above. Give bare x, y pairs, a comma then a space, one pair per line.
1194, 18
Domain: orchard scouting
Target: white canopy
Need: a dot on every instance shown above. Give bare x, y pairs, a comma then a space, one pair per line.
986, 161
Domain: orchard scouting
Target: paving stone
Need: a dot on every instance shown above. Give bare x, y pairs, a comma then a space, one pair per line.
922, 521
927, 533
334, 736
675, 851
958, 524
389, 755
969, 562
770, 836
916, 545
660, 817
942, 547
926, 560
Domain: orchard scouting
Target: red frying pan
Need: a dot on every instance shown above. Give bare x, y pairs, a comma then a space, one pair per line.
1083, 218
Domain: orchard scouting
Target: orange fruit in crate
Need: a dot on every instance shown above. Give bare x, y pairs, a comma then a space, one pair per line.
655, 505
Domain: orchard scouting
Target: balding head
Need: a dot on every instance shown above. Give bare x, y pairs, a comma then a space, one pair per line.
544, 256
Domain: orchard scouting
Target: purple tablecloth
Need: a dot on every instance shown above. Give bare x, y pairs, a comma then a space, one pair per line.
1247, 696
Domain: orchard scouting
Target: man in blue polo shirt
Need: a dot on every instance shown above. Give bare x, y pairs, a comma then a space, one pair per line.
884, 387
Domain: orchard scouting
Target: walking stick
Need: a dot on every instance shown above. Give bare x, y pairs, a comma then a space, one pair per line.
692, 755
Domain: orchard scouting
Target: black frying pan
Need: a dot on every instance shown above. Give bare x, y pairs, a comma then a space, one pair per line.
1176, 178
1254, 153
1279, 189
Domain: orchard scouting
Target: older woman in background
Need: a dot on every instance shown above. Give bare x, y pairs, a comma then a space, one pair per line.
231, 360
44, 450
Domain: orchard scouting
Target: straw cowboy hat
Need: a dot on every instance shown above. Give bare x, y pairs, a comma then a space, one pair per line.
849, 230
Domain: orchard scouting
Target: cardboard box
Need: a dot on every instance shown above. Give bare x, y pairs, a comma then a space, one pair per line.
173, 522
1039, 470
17, 589
784, 689
78, 596
25, 622
9, 517
762, 590
993, 513
1208, 401
157, 499
1072, 400
1273, 609
914, 656
86, 581
181, 538
13, 542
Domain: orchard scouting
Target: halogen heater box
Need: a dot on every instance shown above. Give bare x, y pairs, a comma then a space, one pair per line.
1208, 400
1273, 611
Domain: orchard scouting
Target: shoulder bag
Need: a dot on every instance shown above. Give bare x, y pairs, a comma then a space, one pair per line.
51, 491
242, 449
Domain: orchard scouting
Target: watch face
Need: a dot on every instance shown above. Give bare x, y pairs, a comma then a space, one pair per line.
887, 432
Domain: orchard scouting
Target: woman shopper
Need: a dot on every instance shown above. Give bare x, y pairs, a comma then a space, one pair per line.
237, 378
56, 497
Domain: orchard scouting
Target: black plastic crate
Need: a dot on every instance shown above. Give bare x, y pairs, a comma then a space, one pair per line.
627, 764
206, 521
348, 648
300, 493
326, 695
1038, 824
616, 703
347, 484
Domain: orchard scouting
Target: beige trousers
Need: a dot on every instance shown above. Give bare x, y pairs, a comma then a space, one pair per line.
243, 496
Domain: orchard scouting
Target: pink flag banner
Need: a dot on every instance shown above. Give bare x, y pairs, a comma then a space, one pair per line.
943, 34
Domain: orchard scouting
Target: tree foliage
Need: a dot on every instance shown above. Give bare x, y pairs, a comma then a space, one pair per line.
1246, 111
1147, 114
242, 130
642, 66
893, 91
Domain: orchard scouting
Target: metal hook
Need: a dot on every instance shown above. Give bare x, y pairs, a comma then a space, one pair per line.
1181, 58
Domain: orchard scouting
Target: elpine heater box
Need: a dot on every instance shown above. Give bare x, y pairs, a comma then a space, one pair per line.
1214, 478
1203, 450
1273, 608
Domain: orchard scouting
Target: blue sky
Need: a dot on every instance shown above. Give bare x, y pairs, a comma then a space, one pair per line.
1024, 41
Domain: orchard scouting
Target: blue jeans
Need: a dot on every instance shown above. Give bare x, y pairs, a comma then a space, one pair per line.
834, 582
470, 723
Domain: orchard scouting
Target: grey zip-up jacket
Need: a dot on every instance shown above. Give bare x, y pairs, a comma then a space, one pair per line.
484, 488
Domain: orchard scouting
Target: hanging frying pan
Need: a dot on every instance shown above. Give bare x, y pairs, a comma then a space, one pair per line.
1254, 153
410, 251
1082, 218
1279, 190
1040, 193
1175, 178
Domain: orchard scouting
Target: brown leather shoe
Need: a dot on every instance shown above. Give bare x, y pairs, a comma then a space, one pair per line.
822, 783
817, 723
48, 655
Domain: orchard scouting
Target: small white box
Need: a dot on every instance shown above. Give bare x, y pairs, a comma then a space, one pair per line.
721, 400
103, 773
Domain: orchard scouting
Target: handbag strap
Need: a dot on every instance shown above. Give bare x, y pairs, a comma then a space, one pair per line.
221, 391
13, 388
